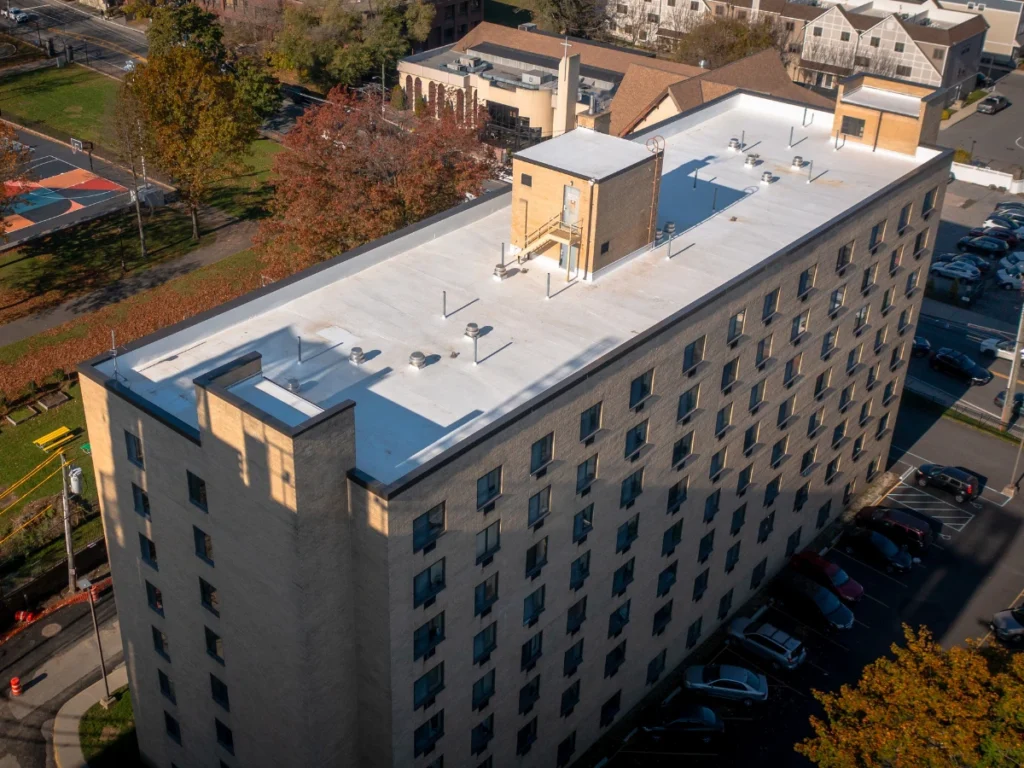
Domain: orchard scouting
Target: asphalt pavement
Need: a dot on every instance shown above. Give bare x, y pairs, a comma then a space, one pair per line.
995, 137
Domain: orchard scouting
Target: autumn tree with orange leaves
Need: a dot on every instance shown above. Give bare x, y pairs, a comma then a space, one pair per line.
926, 707
349, 175
13, 156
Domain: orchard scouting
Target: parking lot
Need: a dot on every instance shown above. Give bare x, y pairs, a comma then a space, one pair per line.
970, 571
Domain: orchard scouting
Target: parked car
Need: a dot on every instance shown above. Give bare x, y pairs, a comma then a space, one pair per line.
956, 270
1013, 215
1013, 206
828, 574
873, 546
980, 263
960, 482
897, 526
999, 221
996, 347
1009, 236
695, 722
935, 525
983, 246
16, 15
1018, 401
1008, 625
803, 596
1013, 262
727, 681
921, 347
768, 641
1007, 280
992, 104
958, 364
945, 258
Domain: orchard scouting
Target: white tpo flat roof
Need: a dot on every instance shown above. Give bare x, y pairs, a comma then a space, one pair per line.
887, 101
387, 299
587, 153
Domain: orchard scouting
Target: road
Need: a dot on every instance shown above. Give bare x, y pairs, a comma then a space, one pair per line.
106, 44
968, 574
993, 137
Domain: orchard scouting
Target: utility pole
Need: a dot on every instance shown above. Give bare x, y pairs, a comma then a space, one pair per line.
86, 585
67, 522
1011, 394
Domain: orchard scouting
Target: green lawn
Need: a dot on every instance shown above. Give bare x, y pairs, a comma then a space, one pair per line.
247, 196
511, 13
70, 101
108, 735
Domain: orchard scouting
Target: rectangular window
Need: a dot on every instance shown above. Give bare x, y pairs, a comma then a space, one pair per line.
667, 578
541, 452
799, 326
671, 538
725, 604
428, 636
203, 544
860, 320
485, 595
929, 198
700, 585
904, 320
196, 490
662, 617
572, 659
528, 695
845, 256
792, 369
911, 282
832, 470
723, 419
428, 686
677, 494
219, 692
531, 651
802, 494
838, 433
711, 505
815, 422
208, 597
579, 571
717, 464
636, 438
539, 506
640, 388
846, 396
732, 556
793, 542
899, 48
160, 644
428, 527
806, 281
140, 500
875, 42
570, 698
590, 422
687, 402
134, 447
828, 342
735, 326
488, 542
817, 31
583, 524
883, 426
739, 517
586, 474
886, 300
484, 643
214, 644
693, 355
852, 126
844, 36
707, 546
920, 241
894, 259
172, 727
693, 633
488, 488
576, 616
482, 733
807, 460
758, 574
632, 487
526, 180
656, 667
483, 689
853, 359
779, 451
764, 350
428, 734
618, 619
730, 372
610, 709
771, 491
821, 383
567, 746
682, 449
155, 598
166, 686
148, 552
627, 534
771, 305
429, 582
536, 557
786, 409
750, 438
757, 394
823, 514
903, 71
858, 447
623, 577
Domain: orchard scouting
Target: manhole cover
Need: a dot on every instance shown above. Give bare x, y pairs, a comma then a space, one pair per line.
50, 630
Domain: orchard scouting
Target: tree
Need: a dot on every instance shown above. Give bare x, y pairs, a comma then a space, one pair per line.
579, 18
256, 86
128, 137
719, 40
13, 158
197, 128
349, 177
926, 707
187, 24
398, 98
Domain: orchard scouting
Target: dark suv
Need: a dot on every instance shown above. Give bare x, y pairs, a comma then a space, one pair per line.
957, 480
897, 525
960, 365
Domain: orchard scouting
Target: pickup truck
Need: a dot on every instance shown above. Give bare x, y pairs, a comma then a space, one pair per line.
16, 15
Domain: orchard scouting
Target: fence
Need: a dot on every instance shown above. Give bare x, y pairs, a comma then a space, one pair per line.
988, 177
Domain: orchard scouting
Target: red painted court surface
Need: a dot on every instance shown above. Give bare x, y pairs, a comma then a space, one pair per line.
58, 188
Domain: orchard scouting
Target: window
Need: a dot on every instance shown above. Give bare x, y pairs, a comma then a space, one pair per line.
807, 460
428, 686
693, 355
717, 464
848, 491
723, 419
622, 578
488, 488
427, 735
160, 644
894, 259
533, 606
758, 575
844, 36
572, 659
852, 126
567, 746
817, 31
757, 394
845, 256
430, 581
526, 180
865, 412
707, 546
687, 402
682, 449
821, 383
576, 616
172, 727
636, 438
735, 326
486, 594
671, 538
858, 447
590, 421
838, 433
483, 689
732, 556
764, 530
920, 241
134, 446
582, 524
938, 54
779, 451
652, 18
196, 490
861, 318
846, 396
667, 578
531, 651
428, 636
488, 542
725, 604
823, 513
539, 506
802, 494
792, 369
750, 438
662, 617
853, 358
610, 709
570, 698
640, 388
208, 597
627, 534
904, 320
166, 686
214, 644
929, 198
793, 542
541, 452
889, 391
694, 632
579, 571
883, 426
790, 26
484, 643
836, 298
730, 371
903, 71
711, 504
899, 48
618, 619
861, 61
880, 335
799, 326
806, 281
155, 598
815, 422
828, 343
786, 409
428, 527
632, 487
219, 692
875, 42
911, 282
677, 495
868, 278
140, 500
832, 470
528, 695
764, 350
886, 300
700, 585
148, 552
482, 733
655, 667
771, 305
586, 473
739, 517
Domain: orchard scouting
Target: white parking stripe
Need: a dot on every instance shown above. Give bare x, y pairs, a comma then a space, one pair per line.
1002, 499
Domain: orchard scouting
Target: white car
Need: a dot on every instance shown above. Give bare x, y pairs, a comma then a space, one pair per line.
1013, 262
1000, 348
956, 270
1008, 280
16, 15
727, 682
129, 65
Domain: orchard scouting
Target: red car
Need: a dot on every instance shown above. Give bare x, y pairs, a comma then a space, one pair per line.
828, 574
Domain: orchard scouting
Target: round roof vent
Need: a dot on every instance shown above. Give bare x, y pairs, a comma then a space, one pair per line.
798, 162
472, 330
356, 355
417, 360
766, 177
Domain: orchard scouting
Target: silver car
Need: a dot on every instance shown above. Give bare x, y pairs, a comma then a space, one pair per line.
765, 640
727, 682
1009, 625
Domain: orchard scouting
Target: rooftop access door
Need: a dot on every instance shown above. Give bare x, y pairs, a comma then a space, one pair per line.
567, 254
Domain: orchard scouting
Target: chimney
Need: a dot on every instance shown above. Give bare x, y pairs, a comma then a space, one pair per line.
566, 95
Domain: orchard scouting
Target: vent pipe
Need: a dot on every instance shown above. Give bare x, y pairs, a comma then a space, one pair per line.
356, 356
751, 160
500, 273
293, 385
472, 330
417, 360
766, 177
798, 162
670, 229
734, 144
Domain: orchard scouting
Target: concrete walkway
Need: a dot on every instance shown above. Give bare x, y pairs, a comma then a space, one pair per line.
960, 114
231, 239
67, 746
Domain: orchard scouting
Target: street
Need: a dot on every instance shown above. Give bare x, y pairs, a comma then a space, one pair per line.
993, 137
104, 45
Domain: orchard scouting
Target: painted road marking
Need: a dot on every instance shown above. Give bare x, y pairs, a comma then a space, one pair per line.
869, 567
876, 600
998, 497
808, 626
919, 499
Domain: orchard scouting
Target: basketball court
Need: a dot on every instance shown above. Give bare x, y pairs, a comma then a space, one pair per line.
59, 188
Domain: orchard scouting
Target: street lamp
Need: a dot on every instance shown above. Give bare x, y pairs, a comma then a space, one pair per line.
85, 585
973, 142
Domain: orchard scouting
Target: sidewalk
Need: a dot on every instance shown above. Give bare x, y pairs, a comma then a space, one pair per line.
964, 317
67, 746
959, 115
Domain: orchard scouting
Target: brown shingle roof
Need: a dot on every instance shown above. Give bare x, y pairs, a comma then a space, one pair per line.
640, 90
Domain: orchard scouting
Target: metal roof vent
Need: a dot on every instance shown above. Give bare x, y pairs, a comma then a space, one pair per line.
670, 229
766, 177
417, 360
798, 162
500, 273
293, 385
472, 330
734, 143
751, 160
356, 356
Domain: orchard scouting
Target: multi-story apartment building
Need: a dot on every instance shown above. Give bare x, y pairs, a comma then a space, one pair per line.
1005, 37
465, 495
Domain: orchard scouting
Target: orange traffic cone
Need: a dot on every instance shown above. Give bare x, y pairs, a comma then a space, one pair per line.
15, 686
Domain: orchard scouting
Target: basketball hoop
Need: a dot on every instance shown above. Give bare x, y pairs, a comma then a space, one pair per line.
76, 146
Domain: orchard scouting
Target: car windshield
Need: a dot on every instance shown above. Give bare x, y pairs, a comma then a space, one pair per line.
839, 577
752, 680
826, 601
1018, 615
883, 545
712, 673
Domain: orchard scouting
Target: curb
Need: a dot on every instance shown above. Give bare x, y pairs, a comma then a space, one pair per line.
67, 744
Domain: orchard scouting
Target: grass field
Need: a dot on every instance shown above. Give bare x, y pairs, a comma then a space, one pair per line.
108, 735
247, 196
70, 101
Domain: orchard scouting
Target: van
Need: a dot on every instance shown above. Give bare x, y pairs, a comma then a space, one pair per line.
898, 526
